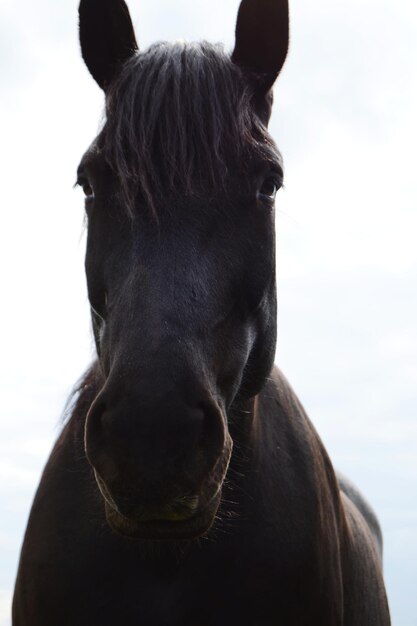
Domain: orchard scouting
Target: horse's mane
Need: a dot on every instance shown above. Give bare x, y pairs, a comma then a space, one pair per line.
177, 118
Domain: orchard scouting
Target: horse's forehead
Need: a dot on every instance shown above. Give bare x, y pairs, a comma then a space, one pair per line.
169, 135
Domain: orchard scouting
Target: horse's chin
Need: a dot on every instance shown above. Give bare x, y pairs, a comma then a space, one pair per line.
162, 529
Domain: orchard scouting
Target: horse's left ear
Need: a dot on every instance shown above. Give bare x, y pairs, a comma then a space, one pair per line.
262, 37
107, 37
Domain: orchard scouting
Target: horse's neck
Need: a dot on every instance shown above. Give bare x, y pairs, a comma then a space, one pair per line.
281, 426
289, 494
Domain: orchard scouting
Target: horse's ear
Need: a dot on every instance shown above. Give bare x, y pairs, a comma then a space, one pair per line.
262, 37
107, 37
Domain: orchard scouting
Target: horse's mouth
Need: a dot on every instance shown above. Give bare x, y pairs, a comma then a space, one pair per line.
165, 529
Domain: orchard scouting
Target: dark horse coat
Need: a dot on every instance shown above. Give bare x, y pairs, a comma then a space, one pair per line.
188, 487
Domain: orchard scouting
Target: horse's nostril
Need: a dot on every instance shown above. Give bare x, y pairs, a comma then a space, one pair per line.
95, 415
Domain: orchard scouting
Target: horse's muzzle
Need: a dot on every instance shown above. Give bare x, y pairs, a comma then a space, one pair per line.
184, 518
160, 468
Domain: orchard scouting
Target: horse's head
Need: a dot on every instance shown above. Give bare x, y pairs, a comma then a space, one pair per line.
180, 187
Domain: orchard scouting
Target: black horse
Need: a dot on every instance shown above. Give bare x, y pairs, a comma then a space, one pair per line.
188, 487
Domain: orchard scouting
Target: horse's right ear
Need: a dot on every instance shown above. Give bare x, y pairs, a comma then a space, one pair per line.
262, 37
107, 37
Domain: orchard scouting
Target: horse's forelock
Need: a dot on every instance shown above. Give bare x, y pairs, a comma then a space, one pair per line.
178, 118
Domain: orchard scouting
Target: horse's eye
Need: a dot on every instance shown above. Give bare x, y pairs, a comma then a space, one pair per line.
84, 183
270, 187
88, 190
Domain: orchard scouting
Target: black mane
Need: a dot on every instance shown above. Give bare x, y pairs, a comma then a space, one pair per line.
178, 118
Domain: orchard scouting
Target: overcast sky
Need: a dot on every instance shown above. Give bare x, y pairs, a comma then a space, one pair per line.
345, 121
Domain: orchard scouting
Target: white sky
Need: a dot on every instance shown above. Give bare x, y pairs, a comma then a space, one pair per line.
345, 120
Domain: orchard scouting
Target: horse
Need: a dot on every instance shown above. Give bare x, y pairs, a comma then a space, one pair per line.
188, 486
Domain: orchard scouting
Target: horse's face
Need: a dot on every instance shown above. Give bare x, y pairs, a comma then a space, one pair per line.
180, 270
